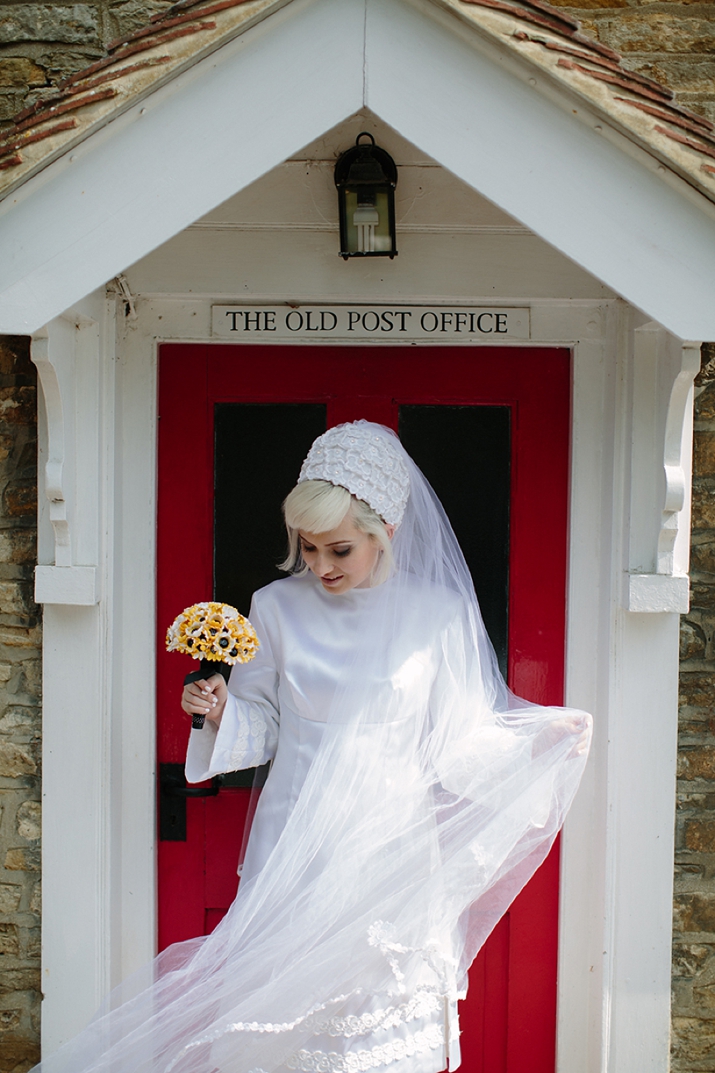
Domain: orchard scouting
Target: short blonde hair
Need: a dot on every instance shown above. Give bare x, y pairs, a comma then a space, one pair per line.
318, 507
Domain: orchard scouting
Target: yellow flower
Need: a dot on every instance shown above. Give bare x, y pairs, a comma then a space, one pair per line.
213, 631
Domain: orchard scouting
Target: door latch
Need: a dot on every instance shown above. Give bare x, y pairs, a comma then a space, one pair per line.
173, 793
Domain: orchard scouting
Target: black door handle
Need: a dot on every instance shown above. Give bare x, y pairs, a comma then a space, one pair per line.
172, 790
173, 793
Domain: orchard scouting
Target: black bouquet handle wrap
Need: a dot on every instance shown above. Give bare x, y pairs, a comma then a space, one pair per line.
206, 669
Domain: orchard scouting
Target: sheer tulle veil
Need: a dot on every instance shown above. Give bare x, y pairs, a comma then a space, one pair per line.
391, 870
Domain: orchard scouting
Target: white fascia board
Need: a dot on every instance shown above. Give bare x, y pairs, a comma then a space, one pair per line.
608, 210
177, 155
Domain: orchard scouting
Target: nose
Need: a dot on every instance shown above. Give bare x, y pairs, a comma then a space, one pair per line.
323, 566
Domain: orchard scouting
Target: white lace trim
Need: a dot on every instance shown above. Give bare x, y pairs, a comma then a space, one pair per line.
423, 1004
251, 737
361, 1061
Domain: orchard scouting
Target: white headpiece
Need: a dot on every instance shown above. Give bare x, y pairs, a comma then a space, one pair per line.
356, 457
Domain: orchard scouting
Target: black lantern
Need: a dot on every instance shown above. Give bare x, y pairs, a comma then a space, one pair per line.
366, 177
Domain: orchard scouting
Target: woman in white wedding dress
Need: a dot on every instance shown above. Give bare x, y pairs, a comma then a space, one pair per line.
410, 798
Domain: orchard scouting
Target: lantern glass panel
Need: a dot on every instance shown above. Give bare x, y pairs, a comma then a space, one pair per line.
367, 215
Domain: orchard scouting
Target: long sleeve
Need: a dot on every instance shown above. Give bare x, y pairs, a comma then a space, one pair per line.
248, 734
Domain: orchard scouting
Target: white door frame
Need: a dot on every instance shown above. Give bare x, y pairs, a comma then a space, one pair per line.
630, 399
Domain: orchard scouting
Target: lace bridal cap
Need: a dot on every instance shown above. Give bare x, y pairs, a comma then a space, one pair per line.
366, 463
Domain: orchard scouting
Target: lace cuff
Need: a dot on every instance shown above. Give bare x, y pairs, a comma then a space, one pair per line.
243, 740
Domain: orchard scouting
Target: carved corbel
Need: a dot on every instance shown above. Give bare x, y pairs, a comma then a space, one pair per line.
64, 582
664, 370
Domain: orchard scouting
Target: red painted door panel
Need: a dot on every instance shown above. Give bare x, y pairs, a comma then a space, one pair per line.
508, 1019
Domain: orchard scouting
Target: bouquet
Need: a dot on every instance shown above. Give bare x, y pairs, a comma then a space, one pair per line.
213, 633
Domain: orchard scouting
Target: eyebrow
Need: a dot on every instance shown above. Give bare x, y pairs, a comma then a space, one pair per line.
333, 543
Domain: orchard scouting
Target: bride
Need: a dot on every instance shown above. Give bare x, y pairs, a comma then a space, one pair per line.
411, 796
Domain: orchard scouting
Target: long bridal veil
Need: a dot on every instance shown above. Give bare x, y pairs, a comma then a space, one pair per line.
396, 861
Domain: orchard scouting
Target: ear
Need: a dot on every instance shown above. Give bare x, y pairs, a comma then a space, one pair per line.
390, 530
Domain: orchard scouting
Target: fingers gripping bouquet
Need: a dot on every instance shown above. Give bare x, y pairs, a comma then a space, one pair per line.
213, 633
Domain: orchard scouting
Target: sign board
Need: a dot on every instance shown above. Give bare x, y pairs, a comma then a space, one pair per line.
346, 323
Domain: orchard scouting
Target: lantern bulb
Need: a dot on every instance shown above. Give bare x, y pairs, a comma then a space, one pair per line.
365, 220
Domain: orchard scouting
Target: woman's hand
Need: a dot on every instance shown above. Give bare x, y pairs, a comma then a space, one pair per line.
206, 697
576, 726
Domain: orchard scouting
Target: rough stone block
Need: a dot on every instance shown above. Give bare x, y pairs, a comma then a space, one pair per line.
697, 763
12, 980
17, 406
703, 506
9, 940
20, 499
688, 75
16, 597
23, 719
29, 820
9, 1019
693, 1041
16, 760
23, 859
32, 677
18, 1054
130, 15
704, 996
692, 640
20, 636
19, 72
702, 596
690, 959
33, 948
10, 897
697, 690
704, 454
702, 557
18, 547
700, 836
36, 899
658, 32
704, 406
71, 23
694, 913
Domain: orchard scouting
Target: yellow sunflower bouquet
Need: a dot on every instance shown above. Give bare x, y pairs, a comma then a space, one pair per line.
213, 633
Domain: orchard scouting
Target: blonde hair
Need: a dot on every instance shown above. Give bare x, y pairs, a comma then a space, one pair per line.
318, 507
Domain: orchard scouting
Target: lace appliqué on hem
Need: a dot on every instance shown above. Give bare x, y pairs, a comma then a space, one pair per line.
423, 1004
362, 1061
420, 1006
251, 737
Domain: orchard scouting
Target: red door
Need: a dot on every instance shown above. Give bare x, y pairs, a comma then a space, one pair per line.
509, 1017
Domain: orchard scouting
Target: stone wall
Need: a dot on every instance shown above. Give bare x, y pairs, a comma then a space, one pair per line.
40, 43
20, 722
672, 41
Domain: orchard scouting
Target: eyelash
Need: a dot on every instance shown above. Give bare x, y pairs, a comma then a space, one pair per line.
341, 554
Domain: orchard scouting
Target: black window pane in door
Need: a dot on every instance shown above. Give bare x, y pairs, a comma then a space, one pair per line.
259, 450
465, 453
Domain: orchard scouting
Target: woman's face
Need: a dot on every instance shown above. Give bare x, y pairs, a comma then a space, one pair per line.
343, 558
